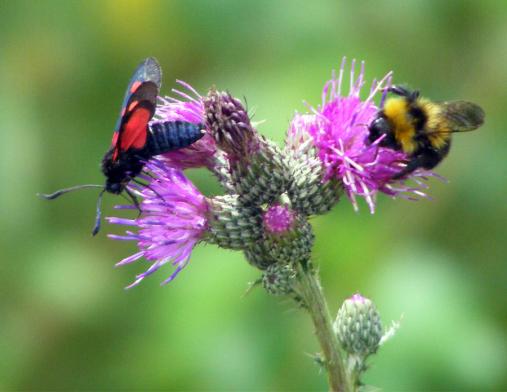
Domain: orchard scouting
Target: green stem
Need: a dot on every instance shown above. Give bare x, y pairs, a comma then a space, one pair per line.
319, 312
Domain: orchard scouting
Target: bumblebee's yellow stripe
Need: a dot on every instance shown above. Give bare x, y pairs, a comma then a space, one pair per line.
395, 109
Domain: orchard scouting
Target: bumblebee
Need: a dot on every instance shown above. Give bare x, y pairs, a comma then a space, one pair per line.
421, 128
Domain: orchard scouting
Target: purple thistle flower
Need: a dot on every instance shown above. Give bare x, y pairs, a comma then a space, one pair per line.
198, 154
187, 107
173, 221
339, 128
299, 141
358, 298
278, 219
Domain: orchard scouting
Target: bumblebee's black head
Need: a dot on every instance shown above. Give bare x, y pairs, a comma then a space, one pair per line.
379, 127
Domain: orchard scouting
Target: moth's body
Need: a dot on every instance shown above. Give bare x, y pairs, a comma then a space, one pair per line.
120, 171
422, 128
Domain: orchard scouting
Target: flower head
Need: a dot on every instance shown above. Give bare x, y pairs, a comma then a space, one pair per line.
288, 236
174, 219
299, 141
339, 129
278, 219
199, 154
188, 107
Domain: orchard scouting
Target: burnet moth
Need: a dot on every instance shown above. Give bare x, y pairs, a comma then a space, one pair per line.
134, 140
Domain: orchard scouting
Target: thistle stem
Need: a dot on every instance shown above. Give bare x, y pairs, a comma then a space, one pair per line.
317, 307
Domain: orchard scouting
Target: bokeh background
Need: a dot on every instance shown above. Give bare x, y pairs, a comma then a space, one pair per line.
65, 320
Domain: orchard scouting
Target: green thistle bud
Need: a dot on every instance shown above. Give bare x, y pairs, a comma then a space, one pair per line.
358, 326
279, 279
258, 256
288, 237
231, 224
309, 193
258, 170
262, 177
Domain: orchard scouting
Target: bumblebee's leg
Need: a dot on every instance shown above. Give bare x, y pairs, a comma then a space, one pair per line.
399, 90
412, 165
430, 157
427, 159
404, 92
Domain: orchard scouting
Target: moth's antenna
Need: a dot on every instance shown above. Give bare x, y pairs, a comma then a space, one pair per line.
96, 228
58, 193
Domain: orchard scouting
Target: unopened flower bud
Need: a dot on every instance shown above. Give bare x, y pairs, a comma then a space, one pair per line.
288, 237
231, 224
258, 255
228, 122
258, 169
309, 192
262, 177
279, 279
358, 326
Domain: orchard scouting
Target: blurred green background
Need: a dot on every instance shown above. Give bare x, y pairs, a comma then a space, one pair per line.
65, 320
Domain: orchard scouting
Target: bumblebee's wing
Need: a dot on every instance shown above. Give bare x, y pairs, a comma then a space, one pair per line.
462, 116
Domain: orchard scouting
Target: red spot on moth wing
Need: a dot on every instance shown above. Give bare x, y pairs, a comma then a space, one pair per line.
135, 86
132, 106
134, 131
114, 143
115, 138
